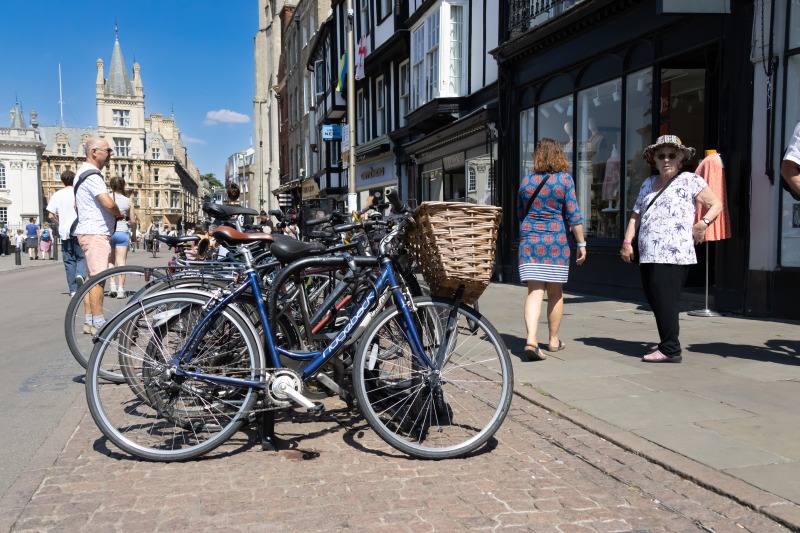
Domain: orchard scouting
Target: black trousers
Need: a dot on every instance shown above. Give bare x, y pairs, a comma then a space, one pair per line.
662, 287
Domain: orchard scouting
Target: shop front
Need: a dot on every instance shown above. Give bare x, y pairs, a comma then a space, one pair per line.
375, 174
605, 93
457, 163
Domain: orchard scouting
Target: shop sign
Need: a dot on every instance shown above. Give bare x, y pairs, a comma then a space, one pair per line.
454, 161
331, 132
377, 173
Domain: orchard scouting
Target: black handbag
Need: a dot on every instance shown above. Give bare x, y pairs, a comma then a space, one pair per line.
635, 241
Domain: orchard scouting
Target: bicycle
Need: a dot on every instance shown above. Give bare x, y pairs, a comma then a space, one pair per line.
430, 385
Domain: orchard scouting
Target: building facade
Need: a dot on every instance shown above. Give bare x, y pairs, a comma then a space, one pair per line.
160, 178
267, 46
20, 183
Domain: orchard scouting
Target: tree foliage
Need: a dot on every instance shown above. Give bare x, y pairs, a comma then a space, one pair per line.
212, 180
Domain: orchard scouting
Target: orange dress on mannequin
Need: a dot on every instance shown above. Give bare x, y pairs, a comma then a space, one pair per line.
713, 171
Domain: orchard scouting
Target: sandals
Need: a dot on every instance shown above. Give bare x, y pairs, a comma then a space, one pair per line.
561, 346
658, 357
533, 353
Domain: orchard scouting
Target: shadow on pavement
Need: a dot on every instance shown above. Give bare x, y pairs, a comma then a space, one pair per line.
780, 351
618, 346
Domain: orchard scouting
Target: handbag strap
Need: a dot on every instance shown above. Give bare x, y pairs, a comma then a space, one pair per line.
664, 188
535, 194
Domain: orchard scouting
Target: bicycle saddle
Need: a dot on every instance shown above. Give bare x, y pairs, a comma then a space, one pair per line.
286, 249
173, 241
231, 237
223, 211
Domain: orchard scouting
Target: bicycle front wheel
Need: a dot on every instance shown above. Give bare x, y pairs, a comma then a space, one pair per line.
433, 413
160, 414
79, 330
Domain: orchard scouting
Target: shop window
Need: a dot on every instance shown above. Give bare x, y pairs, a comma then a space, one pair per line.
638, 133
361, 117
432, 185
597, 180
527, 142
555, 122
479, 179
405, 90
790, 222
380, 107
794, 22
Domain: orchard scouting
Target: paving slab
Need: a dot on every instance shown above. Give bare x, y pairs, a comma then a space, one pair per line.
783, 478
710, 447
778, 433
657, 409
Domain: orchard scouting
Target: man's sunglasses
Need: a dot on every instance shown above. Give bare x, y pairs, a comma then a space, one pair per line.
671, 155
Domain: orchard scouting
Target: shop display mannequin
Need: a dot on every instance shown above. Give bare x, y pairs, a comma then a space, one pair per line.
611, 180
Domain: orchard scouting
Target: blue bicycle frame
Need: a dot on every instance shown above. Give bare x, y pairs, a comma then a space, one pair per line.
385, 281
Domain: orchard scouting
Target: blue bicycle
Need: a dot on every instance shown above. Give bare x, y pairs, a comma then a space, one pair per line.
431, 376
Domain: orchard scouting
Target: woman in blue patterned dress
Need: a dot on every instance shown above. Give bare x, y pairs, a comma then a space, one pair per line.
543, 246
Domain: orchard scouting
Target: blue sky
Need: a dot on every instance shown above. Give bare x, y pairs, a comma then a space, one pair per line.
196, 58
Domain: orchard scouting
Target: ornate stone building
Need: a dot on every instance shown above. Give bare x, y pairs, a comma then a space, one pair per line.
148, 152
20, 148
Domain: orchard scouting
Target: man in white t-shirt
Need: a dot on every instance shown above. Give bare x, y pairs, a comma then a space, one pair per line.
62, 212
97, 217
790, 166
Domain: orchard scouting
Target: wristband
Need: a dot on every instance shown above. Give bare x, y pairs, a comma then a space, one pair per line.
627, 242
581, 244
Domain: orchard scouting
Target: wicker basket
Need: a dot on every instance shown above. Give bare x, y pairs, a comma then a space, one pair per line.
454, 244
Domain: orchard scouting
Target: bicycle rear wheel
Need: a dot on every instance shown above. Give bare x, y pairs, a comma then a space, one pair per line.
436, 413
159, 415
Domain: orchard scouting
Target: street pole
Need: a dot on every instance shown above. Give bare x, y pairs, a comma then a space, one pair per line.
352, 196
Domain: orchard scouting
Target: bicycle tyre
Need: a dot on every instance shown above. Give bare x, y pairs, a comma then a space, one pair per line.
401, 401
81, 344
183, 418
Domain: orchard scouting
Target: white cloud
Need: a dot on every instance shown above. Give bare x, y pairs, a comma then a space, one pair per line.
192, 140
225, 116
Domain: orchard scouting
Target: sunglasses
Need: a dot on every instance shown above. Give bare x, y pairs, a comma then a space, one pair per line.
671, 155
109, 151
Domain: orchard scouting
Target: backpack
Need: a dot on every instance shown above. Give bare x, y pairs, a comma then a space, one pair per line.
45, 234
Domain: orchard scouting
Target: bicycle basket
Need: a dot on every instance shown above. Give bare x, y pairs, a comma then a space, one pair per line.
454, 244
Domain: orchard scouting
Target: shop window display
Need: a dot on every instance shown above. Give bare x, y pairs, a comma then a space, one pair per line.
638, 134
790, 223
599, 116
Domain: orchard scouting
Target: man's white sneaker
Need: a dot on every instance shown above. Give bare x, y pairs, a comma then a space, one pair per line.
79, 280
72, 294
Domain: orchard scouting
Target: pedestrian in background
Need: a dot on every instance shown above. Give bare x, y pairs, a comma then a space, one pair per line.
121, 239
4, 240
97, 217
790, 166
62, 212
45, 241
20, 240
32, 238
664, 215
546, 205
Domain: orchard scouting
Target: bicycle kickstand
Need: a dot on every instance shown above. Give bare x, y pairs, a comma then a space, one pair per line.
266, 431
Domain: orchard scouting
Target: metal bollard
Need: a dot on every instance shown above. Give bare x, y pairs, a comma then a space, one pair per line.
17, 256
54, 249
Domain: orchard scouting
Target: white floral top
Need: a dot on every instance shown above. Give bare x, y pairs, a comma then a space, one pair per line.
665, 229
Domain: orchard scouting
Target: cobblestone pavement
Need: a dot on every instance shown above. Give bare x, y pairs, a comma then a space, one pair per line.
542, 473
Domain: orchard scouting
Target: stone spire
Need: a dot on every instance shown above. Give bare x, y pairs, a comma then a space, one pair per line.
17, 120
118, 82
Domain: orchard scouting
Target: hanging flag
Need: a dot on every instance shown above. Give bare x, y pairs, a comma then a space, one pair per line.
342, 74
361, 55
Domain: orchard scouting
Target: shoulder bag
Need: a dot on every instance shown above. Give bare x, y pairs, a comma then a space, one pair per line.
535, 194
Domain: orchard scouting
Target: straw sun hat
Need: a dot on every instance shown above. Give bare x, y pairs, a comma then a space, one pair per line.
667, 140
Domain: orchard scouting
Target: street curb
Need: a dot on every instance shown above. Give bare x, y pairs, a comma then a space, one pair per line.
782, 511
20, 493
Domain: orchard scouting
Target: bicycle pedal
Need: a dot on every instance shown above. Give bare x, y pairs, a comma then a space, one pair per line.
317, 409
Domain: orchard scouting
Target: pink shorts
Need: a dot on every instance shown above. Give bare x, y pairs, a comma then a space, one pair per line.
96, 249
44, 246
